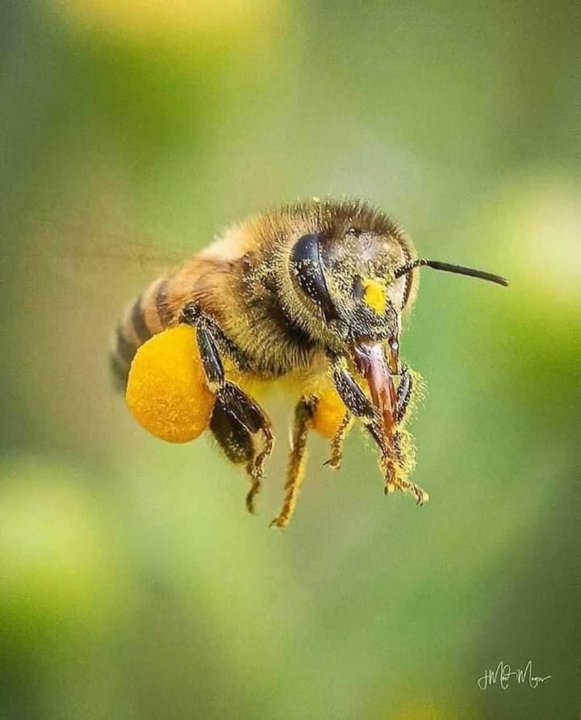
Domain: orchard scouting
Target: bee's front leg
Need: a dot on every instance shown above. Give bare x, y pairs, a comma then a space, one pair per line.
358, 403
401, 444
360, 406
404, 393
237, 417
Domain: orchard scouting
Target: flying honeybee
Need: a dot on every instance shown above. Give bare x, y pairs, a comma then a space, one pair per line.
310, 296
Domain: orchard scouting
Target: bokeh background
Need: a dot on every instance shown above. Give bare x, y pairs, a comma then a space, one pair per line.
133, 585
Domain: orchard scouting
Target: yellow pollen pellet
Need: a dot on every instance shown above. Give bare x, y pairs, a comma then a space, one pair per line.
374, 295
328, 414
166, 389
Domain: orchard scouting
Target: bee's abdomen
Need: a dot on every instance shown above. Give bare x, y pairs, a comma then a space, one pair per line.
149, 314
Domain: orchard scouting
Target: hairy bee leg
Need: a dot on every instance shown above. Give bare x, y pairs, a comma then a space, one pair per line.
250, 415
395, 473
358, 404
297, 461
193, 314
238, 446
404, 393
229, 396
404, 396
337, 443
238, 404
419, 493
397, 480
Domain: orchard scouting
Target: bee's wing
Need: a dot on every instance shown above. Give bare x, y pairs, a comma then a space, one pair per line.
89, 256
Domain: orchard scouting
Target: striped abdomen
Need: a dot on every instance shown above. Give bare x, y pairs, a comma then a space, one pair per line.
149, 314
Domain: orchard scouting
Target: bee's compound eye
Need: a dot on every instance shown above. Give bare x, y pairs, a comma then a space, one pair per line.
166, 389
307, 268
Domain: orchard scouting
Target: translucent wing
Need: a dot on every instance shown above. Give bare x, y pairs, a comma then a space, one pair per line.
90, 255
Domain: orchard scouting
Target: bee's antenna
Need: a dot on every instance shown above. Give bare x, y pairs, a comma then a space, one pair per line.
447, 267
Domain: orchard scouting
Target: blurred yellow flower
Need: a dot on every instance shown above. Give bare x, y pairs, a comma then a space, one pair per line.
166, 20
548, 223
59, 562
424, 710
538, 217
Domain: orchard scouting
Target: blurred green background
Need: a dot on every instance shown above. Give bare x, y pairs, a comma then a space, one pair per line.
133, 584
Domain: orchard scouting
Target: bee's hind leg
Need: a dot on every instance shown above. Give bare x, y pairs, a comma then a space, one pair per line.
245, 417
297, 460
252, 419
239, 447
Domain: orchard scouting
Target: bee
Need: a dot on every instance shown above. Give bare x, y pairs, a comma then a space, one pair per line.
309, 297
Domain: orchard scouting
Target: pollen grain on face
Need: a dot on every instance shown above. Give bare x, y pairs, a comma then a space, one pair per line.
375, 295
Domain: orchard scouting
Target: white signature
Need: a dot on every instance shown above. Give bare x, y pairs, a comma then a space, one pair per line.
503, 675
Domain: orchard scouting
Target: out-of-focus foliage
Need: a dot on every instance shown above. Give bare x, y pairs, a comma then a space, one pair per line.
132, 582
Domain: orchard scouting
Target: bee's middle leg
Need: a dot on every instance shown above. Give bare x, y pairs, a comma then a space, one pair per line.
245, 417
297, 460
337, 443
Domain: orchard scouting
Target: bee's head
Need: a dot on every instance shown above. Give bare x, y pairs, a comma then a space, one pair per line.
347, 282
355, 273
